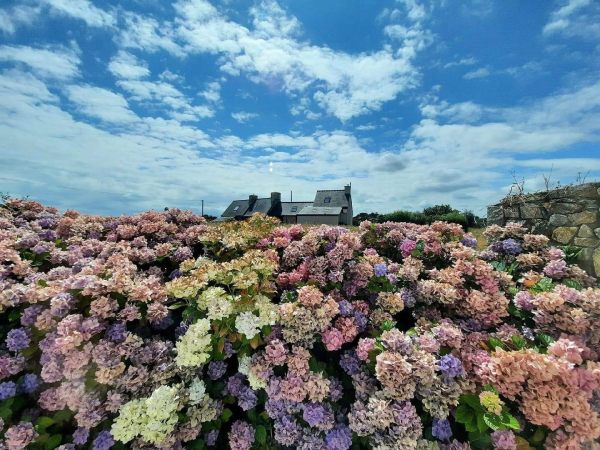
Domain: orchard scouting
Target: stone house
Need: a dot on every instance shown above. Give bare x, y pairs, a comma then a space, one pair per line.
567, 215
332, 207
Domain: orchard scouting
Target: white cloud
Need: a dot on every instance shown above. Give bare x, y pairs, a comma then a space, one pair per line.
161, 94
59, 62
147, 33
345, 85
243, 116
575, 18
461, 62
482, 72
212, 93
101, 104
12, 18
83, 10
128, 66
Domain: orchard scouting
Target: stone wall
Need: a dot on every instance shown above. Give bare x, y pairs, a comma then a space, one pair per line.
568, 216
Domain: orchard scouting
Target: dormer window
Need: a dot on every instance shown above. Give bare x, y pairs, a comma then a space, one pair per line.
236, 208
327, 200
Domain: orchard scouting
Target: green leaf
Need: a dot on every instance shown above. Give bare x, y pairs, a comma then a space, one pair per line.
494, 342
226, 415
481, 425
480, 440
518, 342
465, 415
472, 400
545, 339
261, 434
198, 444
509, 421
493, 421
53, 442
572, 284
43, 422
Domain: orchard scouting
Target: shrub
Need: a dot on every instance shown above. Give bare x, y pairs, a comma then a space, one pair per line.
160, 331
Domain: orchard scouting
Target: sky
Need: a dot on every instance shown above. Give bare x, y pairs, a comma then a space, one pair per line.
116, 107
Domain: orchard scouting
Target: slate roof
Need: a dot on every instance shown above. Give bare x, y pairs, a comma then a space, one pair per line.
231, 211
320, 211
261, 205
287, 207
336, 198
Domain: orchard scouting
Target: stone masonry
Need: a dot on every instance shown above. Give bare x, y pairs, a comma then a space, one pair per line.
568, 216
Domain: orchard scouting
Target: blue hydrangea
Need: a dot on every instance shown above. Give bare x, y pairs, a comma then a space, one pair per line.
450, 366
8, 389
103, 441
441, 430
30, 383
339, 438
380, 269
17, 339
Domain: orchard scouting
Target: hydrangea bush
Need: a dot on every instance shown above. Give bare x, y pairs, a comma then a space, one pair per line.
162, 331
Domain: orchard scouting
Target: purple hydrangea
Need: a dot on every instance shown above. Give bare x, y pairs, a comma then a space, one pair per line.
103, 441
361, 321
507, 246
504, 440
17, 339
408, 297
117, 332
241, 436
440, 429
8, 389
30, 383
81, 436
380, 269
235, 384
287, 431
349, 362
30, 314
216, 369
450, 366
339, 438
469, 241
336, 389
211, 437
247, 398
345, 307
314, 414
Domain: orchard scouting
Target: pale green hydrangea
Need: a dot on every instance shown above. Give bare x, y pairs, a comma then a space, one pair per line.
268, 312
248, 324
153, 418
244, 364
197, 391
193, 347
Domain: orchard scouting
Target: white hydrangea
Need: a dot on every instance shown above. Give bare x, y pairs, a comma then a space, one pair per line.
255, 382
268, 312
248, 324
197, 391
193, 347
244, 364
152, 418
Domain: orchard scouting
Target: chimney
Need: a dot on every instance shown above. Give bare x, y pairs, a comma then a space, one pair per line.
347, 189
275, 198
252, 200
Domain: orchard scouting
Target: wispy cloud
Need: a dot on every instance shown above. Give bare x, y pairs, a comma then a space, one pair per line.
54, 62
243, 116
482, 72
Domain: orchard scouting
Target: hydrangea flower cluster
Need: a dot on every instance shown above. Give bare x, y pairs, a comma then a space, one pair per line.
160, 331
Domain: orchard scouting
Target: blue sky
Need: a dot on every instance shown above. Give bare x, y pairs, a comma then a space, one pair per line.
116, 107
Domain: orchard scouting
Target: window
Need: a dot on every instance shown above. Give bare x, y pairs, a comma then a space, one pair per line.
327, 200
236, 208
294, 208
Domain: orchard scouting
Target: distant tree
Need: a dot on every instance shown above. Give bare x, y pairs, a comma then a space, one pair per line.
438, 210
209, 217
